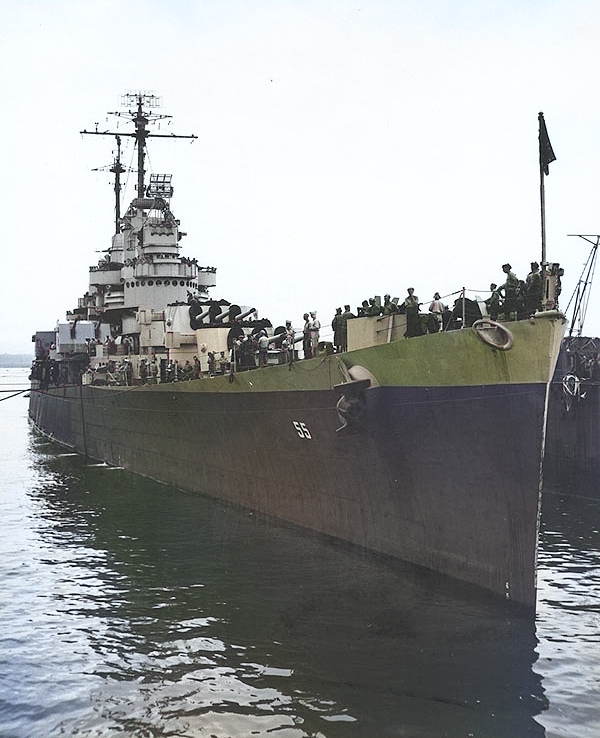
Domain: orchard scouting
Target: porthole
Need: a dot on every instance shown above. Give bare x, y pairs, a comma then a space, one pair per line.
150, 282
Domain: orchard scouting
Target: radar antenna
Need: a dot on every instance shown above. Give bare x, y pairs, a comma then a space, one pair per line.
141, 116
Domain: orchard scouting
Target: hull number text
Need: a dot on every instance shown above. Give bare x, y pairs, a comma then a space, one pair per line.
301, 429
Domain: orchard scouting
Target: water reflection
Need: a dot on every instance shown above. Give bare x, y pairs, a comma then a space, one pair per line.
569, 613
159, 613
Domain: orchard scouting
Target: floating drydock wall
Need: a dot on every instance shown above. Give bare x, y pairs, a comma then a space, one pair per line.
572, 459
437, 468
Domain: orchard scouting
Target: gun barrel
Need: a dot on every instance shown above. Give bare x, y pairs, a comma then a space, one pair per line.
221, 318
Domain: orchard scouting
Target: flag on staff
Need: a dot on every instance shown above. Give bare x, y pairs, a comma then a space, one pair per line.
546, 153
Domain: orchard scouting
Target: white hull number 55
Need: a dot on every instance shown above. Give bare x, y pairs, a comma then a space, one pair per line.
301, 429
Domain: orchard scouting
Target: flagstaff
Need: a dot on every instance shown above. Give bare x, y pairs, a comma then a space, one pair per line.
546, 156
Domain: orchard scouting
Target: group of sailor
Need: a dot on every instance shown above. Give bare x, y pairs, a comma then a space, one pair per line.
246, 349
310, 335
512, 300
339, 325
515, 299
373, 307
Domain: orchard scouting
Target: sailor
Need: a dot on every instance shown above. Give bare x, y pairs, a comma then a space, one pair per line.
363, 310
224, 364
437, 307
373, 308
493, 302
509, 291
248, 352
288, 343
533, 289
520, 301
212, 363
411, 305
389, 307
128, 372
263, 347
314, 329
560, 272
306, 347
336, 325
234, 336
346, 316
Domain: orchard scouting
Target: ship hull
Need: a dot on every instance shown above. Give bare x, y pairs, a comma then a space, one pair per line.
572, 460
446, 476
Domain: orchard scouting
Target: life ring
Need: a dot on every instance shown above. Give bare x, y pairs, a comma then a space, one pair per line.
493, 333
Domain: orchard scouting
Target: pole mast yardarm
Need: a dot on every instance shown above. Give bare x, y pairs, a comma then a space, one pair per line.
141, 117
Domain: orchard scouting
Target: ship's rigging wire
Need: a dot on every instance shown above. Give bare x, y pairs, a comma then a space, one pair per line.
19, 392
147, 158
130, 169
581, 293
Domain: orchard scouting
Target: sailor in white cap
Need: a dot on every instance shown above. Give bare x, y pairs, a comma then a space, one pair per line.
314, 328
288, 342
263, 347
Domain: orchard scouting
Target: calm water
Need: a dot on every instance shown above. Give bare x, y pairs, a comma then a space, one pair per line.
131, 608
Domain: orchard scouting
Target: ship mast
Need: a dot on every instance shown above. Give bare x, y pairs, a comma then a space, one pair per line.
581, 295
141, 116
118, 169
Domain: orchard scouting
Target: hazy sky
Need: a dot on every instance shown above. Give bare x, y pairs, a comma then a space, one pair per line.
345, 149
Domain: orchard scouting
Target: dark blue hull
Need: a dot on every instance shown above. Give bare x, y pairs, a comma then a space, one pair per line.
445, 477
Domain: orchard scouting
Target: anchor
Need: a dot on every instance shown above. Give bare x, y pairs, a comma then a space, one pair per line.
352, 405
